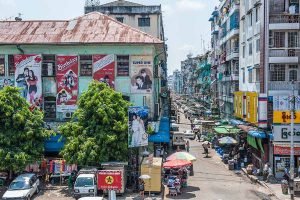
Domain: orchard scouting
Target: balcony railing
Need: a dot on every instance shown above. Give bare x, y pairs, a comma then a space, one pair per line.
283, 85
284, 18
284, 53
232, 50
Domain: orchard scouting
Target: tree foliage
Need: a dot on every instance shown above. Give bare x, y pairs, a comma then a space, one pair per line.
99, 129
22, 134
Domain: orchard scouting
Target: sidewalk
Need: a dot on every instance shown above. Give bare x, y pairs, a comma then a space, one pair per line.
274, 188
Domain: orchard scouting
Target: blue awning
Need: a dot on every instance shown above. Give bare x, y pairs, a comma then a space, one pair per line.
236, 122
54, 144
257, 134
163, 135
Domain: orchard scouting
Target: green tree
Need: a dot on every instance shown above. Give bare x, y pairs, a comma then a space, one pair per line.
99, 129
22, 134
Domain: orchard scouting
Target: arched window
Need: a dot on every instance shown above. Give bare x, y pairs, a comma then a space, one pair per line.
293, 75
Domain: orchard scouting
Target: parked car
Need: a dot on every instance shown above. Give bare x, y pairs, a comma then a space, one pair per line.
86, 183
23, 187
189, 134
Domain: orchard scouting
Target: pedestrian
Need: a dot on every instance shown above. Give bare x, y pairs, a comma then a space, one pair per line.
265, 171
187, 146
142, 188
270, 174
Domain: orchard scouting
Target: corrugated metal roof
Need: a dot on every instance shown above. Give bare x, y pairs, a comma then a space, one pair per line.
92, 28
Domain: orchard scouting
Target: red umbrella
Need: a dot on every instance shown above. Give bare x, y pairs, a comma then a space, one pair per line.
176, 163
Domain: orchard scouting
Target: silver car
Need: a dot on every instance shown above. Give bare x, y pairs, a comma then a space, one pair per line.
23, 187
189, 134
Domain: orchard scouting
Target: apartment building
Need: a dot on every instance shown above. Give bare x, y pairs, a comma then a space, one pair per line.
177, 82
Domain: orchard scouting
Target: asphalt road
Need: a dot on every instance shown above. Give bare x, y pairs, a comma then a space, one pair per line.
213, 181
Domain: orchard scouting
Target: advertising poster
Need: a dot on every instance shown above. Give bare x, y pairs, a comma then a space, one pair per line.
67, 83
28, 69
141, 74
5, 81
138, 122
104, 69
109, 180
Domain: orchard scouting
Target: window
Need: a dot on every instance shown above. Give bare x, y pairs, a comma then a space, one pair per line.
279, 38
250, 48
144, 21
244, 50
122, 65
257, 74
2, 66
257, 45
250, 19
244, 76
277, 72
293, 73
86, 65
120, 19
293, 39
50, 107
277, 6
257, 14
48, 65
250, 72
11, 65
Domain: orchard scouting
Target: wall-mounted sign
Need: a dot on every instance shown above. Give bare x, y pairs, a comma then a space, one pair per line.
109, 180
284, 117
281, 150
282, 133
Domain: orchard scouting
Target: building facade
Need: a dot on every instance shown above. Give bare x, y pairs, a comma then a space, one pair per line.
177, 82
89, 53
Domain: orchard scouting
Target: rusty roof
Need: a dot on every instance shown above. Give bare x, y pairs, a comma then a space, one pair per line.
92, 28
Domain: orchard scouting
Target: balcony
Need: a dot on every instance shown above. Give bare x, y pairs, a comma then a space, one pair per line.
289, 56
232, 53
283, 85
233, 32
284, 21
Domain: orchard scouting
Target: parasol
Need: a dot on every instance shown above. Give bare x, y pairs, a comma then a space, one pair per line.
181, 155
227, 140
145, 176
176, 163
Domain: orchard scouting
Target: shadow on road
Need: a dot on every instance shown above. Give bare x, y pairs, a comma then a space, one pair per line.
261, 195
186, 193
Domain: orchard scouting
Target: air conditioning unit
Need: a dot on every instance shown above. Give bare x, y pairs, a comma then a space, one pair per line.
68, 115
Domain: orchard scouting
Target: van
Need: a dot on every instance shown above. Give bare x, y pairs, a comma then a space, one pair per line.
86, 183
178, 140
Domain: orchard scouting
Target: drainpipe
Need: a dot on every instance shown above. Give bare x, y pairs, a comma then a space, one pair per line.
20, 49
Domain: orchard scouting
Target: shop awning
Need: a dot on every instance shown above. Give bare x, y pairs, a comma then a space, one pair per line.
257, 134
246, 128
226, 130
255, 143
236, 122
163, 134
251, 141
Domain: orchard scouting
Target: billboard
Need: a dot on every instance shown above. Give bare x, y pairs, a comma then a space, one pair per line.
238, 104
138, 122
104, 69
5, 81
109, 180
28, 69
282, 107
67, 83
251, 107
141, 74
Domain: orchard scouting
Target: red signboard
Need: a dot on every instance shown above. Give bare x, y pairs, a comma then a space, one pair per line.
281, 150
109, 180
67, 83
104, 69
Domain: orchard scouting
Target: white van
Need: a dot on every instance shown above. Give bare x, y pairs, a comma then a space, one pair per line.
86, 183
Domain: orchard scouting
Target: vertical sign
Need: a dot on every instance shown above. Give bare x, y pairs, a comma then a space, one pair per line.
104, 69
138, 123
67, 83
28, 77
141, 74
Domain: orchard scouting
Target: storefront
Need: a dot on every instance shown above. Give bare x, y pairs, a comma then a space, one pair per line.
281, 147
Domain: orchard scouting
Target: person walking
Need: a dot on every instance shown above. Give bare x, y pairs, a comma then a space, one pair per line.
142, 188
187, 146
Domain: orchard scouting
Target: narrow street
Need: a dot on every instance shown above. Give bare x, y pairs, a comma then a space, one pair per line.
212, 180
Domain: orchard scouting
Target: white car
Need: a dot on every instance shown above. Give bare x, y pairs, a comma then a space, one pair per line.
23, 187
189, 134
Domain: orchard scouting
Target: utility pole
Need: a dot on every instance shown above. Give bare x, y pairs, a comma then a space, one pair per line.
292, 162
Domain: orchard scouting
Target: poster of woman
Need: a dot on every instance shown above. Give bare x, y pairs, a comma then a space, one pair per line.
138, 122
6, 82
28, 76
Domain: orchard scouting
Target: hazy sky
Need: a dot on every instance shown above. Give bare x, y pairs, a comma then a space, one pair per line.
185, 21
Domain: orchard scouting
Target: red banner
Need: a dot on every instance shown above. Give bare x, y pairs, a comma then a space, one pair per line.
280, 150
104, 69
67, 83
109, 180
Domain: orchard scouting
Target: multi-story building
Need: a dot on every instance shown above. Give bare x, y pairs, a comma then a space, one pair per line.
66, 55
170, 82
269, 63
177, 82
189, 79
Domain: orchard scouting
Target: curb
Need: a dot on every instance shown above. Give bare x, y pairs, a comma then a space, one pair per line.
256, 180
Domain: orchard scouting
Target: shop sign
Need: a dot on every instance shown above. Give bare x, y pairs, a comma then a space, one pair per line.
238, 104
282, 133
284, 117
280, 150
109, 180
104, 69
251, 107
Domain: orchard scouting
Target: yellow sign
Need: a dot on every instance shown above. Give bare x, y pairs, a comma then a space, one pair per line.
238, 104
284, 117
251, 107
109, 180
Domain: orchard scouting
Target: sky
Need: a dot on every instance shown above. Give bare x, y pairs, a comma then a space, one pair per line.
185, 21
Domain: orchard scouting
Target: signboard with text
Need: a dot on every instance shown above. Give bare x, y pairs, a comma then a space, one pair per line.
284, 117
109, 180
281, 150
104, 69
282, 133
